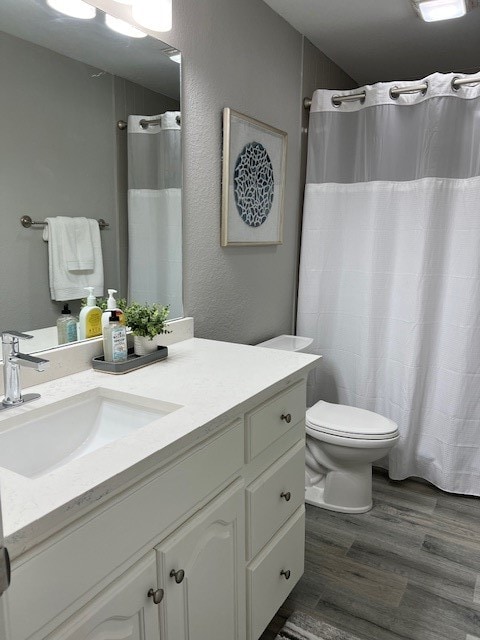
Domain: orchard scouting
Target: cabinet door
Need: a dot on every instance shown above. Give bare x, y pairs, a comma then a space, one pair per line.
201, 568
122, 612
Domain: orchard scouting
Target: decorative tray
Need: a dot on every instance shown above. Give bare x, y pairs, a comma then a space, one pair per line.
133, 361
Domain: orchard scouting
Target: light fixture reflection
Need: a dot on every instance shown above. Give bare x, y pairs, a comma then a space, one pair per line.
435, 10
120, 26
173, 54
74, 8
155, 15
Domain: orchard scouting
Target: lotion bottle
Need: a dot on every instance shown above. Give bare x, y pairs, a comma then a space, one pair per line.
115, 340
111, 306
90, 320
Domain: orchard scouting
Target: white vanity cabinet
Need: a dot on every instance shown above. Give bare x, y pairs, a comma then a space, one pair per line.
215, 535
275, 494
123, 611
201, 569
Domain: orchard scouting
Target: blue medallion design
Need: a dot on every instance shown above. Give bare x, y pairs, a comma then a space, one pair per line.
253, 184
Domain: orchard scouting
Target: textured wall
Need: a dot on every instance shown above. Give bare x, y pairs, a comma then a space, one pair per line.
241, 55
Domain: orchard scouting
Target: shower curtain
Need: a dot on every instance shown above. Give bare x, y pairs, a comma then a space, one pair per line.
390, 269
155, 211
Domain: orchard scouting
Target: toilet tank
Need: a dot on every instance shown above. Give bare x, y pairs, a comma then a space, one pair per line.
287, 343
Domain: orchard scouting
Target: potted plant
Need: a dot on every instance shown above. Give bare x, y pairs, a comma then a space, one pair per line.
146, 322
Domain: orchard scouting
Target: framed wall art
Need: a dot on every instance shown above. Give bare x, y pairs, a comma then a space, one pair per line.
253, 183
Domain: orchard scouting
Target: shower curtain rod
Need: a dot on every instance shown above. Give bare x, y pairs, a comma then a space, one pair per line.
395, 92
122, 125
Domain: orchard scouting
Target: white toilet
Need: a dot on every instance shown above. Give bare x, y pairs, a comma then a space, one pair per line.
342, 444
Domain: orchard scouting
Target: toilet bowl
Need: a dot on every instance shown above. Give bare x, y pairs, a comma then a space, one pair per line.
341, 444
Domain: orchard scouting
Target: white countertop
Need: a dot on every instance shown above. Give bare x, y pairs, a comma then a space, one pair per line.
212, 381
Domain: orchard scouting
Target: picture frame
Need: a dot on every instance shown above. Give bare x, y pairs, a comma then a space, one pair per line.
253, 181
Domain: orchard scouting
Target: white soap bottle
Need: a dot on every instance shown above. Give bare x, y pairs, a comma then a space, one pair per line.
115, 340
90, 319
111, 306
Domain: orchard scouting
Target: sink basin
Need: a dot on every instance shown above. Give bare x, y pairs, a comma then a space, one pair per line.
50, 437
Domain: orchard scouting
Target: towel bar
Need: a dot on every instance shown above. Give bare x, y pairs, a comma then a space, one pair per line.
27, 222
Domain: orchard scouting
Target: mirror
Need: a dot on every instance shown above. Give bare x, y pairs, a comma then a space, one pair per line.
64, 85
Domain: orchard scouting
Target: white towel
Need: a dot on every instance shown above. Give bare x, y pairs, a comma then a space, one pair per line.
75, 258
78, 243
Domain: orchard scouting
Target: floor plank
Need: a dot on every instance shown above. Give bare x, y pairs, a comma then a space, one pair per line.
407, 570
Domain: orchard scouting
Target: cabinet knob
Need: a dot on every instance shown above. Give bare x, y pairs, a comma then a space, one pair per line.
285, 573
287, 417
156, 595
286, 495
178, 575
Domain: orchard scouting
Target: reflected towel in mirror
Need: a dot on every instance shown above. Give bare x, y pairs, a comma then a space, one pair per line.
75, 258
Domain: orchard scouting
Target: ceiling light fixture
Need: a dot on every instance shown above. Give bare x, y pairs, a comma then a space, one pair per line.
74, 8
155, 15
120, 26
435, 10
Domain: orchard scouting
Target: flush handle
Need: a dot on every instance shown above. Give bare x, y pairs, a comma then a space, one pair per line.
286, 495
285, 573
287, 417
178, 575
156, 595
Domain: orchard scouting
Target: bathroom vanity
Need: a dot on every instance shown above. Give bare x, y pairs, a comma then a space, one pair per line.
192, 526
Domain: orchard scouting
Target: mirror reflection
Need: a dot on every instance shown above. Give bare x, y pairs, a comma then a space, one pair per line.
90, 124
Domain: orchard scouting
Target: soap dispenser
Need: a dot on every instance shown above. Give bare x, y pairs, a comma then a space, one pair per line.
90, 320
66, 326
112, 306
115, 340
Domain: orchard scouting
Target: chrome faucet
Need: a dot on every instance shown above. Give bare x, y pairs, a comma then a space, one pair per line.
12, 361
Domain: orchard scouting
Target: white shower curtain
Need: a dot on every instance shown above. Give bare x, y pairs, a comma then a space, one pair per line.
390, 269
155, 211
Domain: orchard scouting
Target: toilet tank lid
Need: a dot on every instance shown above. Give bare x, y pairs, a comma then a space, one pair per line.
349, 421
287, 343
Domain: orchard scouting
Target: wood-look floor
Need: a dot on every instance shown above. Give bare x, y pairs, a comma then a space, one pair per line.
410, 568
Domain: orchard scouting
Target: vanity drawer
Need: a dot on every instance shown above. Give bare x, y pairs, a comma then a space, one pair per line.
271, 420
267, 587
267, 508
73, 565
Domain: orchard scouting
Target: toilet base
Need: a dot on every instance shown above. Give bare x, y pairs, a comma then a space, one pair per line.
343, 490
315, 497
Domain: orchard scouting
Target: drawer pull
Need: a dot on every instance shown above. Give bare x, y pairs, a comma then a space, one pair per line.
156, 595
178, 575
287, 417
286, 574
286, 495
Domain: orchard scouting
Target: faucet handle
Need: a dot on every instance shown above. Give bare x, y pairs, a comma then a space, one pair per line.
15, 334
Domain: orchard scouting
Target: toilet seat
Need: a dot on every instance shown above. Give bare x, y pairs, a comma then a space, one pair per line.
341, 421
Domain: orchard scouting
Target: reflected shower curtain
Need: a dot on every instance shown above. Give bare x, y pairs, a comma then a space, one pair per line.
155, 211
390, 269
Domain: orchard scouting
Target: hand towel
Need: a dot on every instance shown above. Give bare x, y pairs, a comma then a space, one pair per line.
68, 249
77, 242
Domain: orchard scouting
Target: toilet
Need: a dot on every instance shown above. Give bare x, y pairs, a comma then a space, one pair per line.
341, 444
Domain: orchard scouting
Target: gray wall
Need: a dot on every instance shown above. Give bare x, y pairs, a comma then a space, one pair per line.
244, 56
241, 55
59, 143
